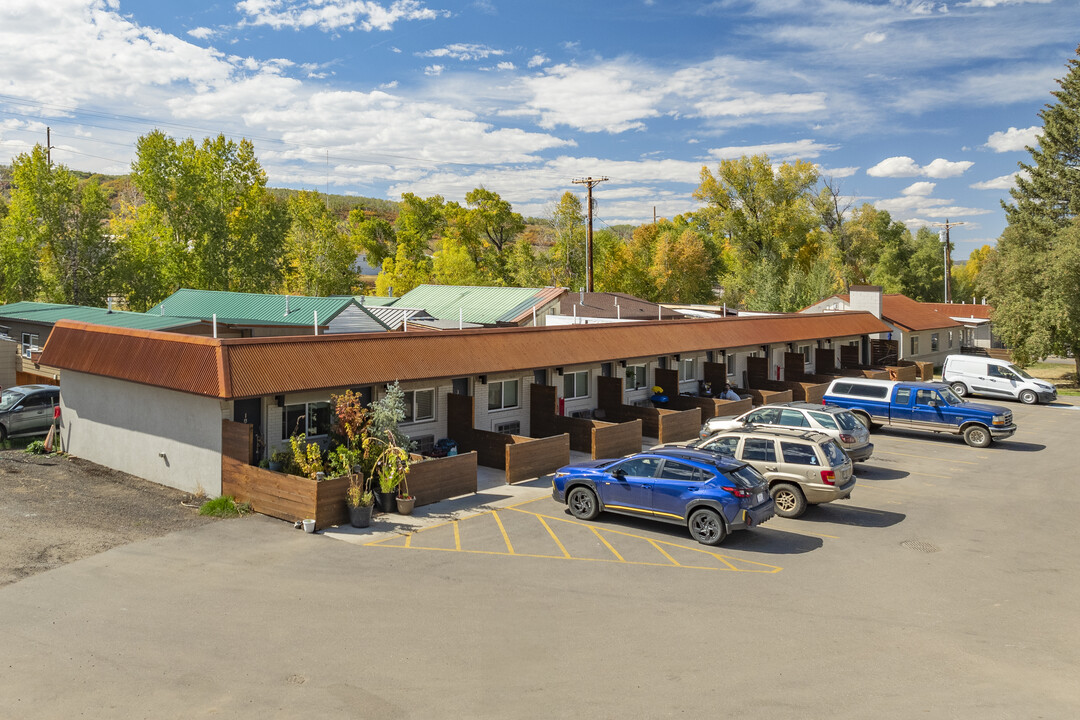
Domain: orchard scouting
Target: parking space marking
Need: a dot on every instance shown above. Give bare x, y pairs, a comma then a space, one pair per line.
671, 554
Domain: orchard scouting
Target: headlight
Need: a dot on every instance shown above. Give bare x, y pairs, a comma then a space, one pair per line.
561, 474
999, 419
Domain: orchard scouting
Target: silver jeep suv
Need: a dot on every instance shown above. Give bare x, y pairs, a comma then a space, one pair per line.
803, 467
27, 410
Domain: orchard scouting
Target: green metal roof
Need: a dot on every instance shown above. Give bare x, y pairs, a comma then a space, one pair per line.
484, 305
252, 308
49, 313
375, 300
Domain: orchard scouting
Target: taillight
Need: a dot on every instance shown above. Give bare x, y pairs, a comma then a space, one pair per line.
828, 477
844, 437
737, 492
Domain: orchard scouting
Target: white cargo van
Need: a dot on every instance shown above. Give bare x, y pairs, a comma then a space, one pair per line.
976, 375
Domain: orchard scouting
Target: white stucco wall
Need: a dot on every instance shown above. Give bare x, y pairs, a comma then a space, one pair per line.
164, 436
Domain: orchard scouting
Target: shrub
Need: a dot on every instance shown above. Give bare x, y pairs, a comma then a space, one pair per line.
36, 448
224, 506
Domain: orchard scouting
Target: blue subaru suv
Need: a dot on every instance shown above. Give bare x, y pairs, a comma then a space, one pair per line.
711, 495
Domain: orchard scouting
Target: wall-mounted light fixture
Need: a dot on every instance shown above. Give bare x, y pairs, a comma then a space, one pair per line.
280, 399
622, 363
558, 370
790, 347
483, 379
677, 357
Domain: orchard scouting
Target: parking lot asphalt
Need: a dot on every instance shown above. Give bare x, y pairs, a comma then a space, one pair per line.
945, 588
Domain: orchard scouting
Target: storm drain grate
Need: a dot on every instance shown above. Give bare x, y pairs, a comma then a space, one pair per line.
921, 546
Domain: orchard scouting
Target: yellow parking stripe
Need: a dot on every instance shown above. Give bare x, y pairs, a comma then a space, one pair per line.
457, 536
509, 546
665, 554
607, 544
553, 536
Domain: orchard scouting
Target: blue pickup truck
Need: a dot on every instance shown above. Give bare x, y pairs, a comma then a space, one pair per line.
920, 406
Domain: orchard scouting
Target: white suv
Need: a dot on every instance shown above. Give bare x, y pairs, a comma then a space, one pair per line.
838, 423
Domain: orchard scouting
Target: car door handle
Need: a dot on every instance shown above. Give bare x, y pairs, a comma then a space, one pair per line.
646, 487
770, 468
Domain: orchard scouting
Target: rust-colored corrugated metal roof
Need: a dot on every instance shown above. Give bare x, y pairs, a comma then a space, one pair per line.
962, 310
909, 314
188, 363
248, 367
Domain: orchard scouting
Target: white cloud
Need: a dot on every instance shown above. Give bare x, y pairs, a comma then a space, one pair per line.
840, 172
780, 152
900, 166
334, 14
996, 3
1014, 139
1004, 182
873, 38
463, 51
918, 205
202, 33
753, 103
610, 97
537, 60
942, 168
919, 189
903, 166
434, 69
505, 65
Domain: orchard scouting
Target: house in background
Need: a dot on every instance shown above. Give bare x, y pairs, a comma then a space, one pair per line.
478, 305
582, 308
921, 331
263, 315
975, 317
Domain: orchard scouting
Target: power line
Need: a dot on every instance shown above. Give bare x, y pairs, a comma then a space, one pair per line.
589, 182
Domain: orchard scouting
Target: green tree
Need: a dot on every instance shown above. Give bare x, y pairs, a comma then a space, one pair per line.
568, 251
149, 261
52, 242
213, 197
767, 217
420, 222
319, 257
372, 236
1047, 193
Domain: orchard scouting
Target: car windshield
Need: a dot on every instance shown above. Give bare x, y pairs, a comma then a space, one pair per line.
746, 477
9, 399
1021, 372
949, 396
847, 421
833, 452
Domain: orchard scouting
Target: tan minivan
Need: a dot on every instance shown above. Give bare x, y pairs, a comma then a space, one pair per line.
803, 467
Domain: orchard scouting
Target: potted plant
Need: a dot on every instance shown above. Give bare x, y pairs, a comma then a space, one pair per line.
307, 455
386, 448
361, 502
405, 501
278, 460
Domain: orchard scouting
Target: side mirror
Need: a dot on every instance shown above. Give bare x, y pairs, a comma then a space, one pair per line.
934, 403
619, 473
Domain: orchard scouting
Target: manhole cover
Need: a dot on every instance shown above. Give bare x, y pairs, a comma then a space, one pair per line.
920, 546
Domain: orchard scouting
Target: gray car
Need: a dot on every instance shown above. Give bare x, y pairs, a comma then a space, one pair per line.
27, 410
836, 422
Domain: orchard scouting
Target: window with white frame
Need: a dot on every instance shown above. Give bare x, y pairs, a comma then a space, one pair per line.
914, 344
950, 338
29, 342
419, 405
805, 350
636, 377
934, 342
688, 369
311, 418
502, 394
576, 384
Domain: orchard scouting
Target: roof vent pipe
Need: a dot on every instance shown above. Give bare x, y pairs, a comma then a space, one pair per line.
316, 314
213, 319
618, 312
286, 306
534, 316
162, 308
460, 317
582, 296
110, 307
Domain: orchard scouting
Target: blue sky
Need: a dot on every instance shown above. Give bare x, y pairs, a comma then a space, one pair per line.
921, 108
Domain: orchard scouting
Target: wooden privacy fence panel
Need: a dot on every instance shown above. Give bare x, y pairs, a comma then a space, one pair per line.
710, 407
907, 373
436, 479
768, 397
288, 497
884, 352
236, 440
923, 370
676, 425
612, 440
543, 406
667, 381
580, 431
528, 458
849, 356
824, 361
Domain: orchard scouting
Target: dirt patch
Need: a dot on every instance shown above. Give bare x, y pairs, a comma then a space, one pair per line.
57, 509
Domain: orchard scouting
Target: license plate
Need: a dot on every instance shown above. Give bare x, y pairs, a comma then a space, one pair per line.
760, 498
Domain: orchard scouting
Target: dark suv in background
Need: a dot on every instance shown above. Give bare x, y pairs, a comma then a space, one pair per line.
27, 410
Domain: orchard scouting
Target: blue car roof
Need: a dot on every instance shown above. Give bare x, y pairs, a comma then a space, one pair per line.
722, 462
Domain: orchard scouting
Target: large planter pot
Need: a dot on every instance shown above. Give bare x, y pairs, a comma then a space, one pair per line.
387, 501
275, 466
405, 505
360, 517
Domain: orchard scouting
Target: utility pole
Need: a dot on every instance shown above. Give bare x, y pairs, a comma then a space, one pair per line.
589, 182
48, 145
948, 253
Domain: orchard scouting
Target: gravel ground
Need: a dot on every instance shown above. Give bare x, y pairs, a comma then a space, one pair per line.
56, 509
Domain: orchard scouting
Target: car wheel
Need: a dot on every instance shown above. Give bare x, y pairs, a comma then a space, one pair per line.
1028, 397
789, 499
865, 420
706, 527
977, 436
583, 504
960, 389
3, 433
